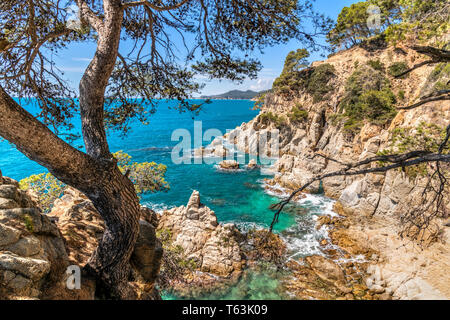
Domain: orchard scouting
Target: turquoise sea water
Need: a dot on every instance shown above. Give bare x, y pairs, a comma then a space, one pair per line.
236, 197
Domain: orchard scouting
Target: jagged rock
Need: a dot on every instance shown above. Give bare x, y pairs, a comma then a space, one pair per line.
83, 227
326, 269
229, 165
252, 164
32, 252
195, 228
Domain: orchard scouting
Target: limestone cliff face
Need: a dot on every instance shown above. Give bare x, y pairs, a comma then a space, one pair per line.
298, 162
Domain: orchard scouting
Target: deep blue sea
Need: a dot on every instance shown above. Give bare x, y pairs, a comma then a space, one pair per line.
237, 197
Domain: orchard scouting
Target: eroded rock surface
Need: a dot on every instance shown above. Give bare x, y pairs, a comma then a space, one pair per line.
32, 252
213, 247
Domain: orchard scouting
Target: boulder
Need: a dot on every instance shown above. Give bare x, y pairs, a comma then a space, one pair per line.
326, 269
229, 165
252, 164
32, 252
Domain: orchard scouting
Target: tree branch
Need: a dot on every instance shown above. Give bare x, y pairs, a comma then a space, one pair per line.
153, 6
398, 161
39, 144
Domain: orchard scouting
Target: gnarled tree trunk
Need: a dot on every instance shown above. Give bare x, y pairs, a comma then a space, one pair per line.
95, 173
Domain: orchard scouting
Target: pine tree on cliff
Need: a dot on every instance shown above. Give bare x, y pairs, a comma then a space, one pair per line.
210, 31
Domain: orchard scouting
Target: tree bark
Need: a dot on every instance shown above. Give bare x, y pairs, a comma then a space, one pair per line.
112, 193
95, 173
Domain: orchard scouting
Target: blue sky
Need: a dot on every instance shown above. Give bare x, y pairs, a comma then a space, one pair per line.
74, 60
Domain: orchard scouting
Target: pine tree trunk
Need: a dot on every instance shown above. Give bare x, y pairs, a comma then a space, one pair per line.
118, 204
95, 173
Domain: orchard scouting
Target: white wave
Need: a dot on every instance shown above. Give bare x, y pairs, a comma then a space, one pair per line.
158, 207
218, 168
245, 226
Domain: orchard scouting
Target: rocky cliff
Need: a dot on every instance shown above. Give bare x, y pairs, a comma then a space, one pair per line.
409, 268
37, 249
213, 247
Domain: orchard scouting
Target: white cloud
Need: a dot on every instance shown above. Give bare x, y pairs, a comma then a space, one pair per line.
262, 84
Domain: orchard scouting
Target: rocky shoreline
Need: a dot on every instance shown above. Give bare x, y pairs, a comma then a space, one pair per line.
371, 206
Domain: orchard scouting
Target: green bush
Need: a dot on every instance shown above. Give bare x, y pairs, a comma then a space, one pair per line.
428, 136
398, 68
376, 64
317, 85
368, 97
298, 114
46, 187
269, 117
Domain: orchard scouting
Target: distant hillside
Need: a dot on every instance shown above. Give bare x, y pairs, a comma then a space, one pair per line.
235, 95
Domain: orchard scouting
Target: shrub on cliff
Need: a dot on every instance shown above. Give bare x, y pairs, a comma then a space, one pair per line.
295, 78
426, 135
291, 78
269, 117
298, 114
318, 84
439, 79
392, 19
376, 65
175, 266
397, 68
368, 97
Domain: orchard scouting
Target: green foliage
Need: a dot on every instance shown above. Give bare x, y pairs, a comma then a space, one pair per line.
46, 187
269, 117
397, 68
146, 177
398, 19
376, 64
318, 85
259, 101
28, 223
291, 79
175, 266
425, 137
352, 28
298, 114
368, 97
315, 81
401, 95
440, 77
423, 20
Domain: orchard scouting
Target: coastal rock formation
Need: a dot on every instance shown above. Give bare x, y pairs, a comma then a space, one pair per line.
82, 228
252, 164
214, 247
32, 252
229, 165
306, 148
